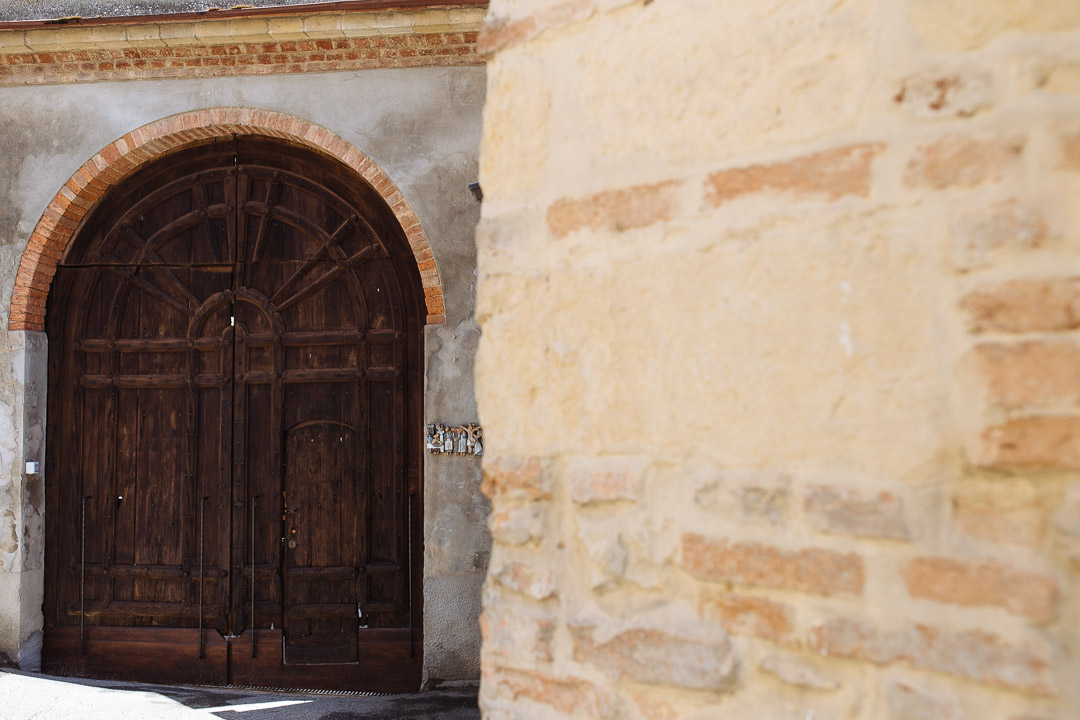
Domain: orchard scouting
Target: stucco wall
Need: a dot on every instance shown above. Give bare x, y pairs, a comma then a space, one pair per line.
421, 126
779, 368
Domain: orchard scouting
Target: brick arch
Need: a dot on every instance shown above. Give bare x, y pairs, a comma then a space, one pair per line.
64, 215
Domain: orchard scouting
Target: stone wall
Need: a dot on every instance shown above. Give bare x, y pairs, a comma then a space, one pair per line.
780, 370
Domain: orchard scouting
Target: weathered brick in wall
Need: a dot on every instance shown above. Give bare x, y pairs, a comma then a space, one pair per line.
614, 210
1030, 374
1038, 442
749, 615
1024, 305
823, 572
965, 582
983, 235
654, 657
568, 695
1002, 512
856, 512
243, 58
830, 174
972, 654
615, 479
528, 479
962, 160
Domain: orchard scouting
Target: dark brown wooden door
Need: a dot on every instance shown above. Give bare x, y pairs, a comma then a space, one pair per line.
233, 466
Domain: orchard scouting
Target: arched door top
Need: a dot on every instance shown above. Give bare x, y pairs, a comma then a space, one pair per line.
64, 215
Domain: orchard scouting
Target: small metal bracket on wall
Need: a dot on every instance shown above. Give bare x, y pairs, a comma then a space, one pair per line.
460, 440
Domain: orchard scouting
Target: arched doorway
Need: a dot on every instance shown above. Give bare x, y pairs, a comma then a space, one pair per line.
234, 449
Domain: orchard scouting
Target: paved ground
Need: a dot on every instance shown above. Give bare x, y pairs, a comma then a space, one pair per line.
30, 696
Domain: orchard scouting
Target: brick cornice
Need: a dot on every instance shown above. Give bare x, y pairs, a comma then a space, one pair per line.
226, 43
64, 216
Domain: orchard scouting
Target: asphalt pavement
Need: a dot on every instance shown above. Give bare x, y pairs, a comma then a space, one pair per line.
32, 696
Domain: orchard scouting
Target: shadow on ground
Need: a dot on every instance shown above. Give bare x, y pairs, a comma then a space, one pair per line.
43, 697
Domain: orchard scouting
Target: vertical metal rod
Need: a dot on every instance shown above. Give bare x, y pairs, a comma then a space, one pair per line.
254, 498
202, 525
82, 582
409, 574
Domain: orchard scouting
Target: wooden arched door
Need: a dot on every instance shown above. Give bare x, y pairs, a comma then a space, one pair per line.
234, 446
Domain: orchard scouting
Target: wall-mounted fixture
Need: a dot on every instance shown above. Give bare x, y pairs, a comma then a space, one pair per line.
477, 191
33, 468
460, 440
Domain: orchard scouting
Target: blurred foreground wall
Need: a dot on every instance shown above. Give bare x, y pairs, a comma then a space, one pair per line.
780, 371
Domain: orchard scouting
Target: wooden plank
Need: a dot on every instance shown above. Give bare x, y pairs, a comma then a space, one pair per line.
155, 655
322, 573
157, 572
311, 337
383, 665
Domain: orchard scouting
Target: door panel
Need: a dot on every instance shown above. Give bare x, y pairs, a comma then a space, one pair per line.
234, 429
322, 553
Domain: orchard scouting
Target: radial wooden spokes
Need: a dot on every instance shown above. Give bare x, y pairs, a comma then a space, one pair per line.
326, 278
129, 275
273, 193
273, 206
212, 240
328, 249
144, 245
160, 267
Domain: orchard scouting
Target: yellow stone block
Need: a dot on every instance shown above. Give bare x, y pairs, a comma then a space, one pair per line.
360, 24
323, 26
40, 40
286, 28
393, 20
75, 38
12, 40
110, 36
212, 30
249, 30
467, 16
177, 33
148, 35
428, 17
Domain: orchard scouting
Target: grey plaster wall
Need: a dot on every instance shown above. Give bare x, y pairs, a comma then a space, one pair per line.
23, 362
49, 9
422, 126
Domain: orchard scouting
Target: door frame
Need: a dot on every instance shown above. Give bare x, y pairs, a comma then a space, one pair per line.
65, 215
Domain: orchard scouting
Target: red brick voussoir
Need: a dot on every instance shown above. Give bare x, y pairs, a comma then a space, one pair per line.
63, 216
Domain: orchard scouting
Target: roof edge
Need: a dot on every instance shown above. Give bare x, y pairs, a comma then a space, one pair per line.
322, 8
